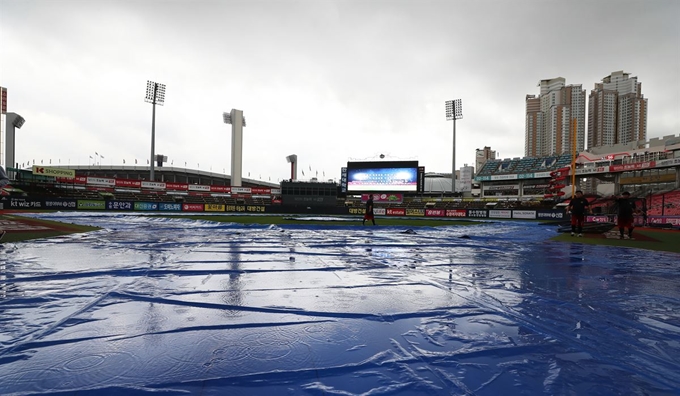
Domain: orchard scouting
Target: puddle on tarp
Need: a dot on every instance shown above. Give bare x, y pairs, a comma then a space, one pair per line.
178, 306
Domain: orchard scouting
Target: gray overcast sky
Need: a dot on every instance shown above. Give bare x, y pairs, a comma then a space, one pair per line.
330, 81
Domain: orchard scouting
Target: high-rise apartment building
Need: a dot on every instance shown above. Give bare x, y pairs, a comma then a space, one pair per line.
617, 111
483, 155
549, 118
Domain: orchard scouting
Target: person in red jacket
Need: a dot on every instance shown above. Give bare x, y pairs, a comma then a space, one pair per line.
369, 210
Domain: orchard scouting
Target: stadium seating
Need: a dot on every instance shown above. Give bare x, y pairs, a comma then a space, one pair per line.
666, 204
489, 168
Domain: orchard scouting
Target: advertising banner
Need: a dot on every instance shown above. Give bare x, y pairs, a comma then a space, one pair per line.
25, 203
503, 177
668, 162
379, 211
177, 186
235, 208
415, 212
550, 214
255, 208
128, 183
630, 167
87, 204
214, 208
523, 214
220, 189
396, 211
477, 213
119, 205
383, 198
354, 211
101, 181
590, 170
261, 191
598, 219
343, 179
174, 207
199, 187
502, 187
46, 171
153, 185
146, 206
240, 190
675, 220
61, 204
187, 207
456, 213
500, 214
74, 180
435, 212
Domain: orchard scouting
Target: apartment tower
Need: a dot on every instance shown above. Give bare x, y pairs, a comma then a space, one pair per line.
481, 156
617, 111
549, 118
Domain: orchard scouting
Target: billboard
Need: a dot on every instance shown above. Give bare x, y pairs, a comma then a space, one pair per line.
382, 176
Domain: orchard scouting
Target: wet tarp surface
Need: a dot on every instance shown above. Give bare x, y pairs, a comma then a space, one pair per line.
177, 306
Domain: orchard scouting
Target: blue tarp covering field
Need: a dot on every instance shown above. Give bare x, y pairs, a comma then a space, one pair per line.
175, 306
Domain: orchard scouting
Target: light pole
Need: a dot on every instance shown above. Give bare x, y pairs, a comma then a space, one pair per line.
237, 121
155, 94
454, 111
292, 160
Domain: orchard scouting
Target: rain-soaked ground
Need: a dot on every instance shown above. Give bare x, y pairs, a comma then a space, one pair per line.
175, 306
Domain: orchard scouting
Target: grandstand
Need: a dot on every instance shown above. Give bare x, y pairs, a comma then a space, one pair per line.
500, 187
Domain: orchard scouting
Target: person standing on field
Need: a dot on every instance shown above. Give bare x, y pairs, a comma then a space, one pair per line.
578, 206
625, 217
369, 210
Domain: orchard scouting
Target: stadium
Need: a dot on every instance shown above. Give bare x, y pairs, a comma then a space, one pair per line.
155, 299
650, 171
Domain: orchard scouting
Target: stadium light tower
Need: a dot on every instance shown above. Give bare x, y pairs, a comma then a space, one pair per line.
454, 111
237, 121
155, 94
292, 160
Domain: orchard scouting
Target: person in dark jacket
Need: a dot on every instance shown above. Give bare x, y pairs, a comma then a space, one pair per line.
369, 210
625, 217
578, 207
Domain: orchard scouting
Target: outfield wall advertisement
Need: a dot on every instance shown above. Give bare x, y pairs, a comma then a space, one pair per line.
115, 205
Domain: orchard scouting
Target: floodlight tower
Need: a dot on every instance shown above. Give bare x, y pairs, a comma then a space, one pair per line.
155, 94
454, 111
13, 122
237, 121
292, 159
